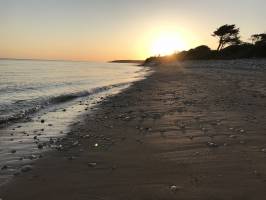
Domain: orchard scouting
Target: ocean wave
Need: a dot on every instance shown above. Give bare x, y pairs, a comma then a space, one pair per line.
24, 108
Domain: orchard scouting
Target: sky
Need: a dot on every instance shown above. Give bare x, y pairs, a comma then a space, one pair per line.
102, 30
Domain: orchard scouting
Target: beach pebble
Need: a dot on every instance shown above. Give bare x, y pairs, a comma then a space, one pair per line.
26, 168
174, 188
16, 174
4, 167
32, 157
40, 146
13, 151
59, 147
86, 136
51, 141
127, 118
92, 164
241, 130
76, 143
212, 144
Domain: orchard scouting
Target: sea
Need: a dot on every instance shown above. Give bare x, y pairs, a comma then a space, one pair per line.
40, 100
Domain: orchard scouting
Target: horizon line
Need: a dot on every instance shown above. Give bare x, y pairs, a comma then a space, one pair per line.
66, 60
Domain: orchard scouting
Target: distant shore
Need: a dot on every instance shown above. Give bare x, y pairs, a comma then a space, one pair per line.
128, 61
185, 132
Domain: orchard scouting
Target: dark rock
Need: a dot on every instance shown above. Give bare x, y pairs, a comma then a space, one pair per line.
26, 168
40, 146
4, 167
13, 151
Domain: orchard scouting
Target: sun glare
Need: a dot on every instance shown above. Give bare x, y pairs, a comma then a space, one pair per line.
166, 44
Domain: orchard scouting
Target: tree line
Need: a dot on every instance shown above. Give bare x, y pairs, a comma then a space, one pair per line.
230, 46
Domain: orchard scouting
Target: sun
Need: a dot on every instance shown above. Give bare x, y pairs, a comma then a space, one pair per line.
166, 44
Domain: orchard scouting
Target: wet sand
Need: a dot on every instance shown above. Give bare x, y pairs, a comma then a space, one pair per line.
182, 133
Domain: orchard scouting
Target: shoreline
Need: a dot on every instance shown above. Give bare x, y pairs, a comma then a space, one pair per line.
33, 122
178, 134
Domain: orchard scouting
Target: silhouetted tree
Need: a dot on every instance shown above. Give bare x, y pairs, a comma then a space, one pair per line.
259, 41
259, 38
228, 35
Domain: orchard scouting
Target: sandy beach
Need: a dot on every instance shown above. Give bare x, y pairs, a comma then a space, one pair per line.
182, 133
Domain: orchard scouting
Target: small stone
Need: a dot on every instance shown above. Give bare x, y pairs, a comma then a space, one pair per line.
75, 144
86, 136
32, 157
212, 144
174, 188
15, 174
4, 167
59, 147
51, 141
92, 164
127, 118
26, 168
40, 146
13, 151
233, 136
191, 137
241, 130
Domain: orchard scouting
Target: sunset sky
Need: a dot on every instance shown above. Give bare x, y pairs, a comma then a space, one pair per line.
118, 29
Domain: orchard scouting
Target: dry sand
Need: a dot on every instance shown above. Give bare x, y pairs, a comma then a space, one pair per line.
183, 133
